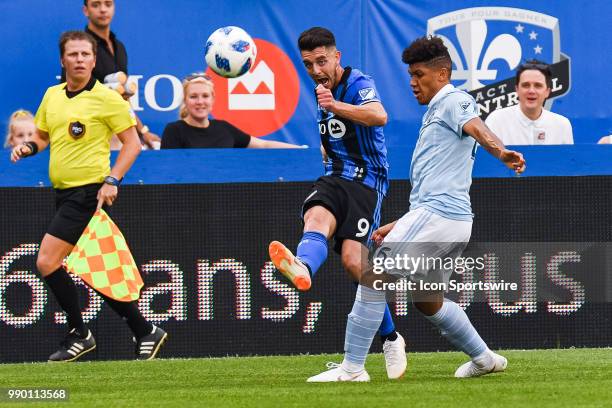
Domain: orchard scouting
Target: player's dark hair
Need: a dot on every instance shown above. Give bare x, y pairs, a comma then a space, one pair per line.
316, 37
85, 2
76, 35
536, 65
429, 50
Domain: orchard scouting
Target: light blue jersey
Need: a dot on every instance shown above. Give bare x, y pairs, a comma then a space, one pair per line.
442, 162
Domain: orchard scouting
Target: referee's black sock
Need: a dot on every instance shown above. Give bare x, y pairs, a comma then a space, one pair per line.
130, 313
64, 289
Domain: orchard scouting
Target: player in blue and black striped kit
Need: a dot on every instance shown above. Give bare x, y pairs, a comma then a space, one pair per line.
345, 203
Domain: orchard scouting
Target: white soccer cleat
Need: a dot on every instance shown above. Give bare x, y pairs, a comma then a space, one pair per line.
336, 373
395, 357
487, 363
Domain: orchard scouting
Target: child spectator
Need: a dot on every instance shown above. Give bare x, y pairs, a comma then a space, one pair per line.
20, 129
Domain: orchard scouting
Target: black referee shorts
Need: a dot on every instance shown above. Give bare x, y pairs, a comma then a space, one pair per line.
74, 208
355, 206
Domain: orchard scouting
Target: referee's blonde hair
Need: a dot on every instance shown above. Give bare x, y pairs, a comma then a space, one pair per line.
194, 79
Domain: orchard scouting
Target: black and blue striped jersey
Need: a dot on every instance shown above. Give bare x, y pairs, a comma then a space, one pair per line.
355, 152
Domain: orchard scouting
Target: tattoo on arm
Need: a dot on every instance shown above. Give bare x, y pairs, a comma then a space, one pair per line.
487, 138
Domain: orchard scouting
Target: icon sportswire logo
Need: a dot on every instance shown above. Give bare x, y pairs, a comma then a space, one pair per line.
487, 44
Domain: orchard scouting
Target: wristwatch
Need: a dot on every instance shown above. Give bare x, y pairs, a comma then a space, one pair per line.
112, 181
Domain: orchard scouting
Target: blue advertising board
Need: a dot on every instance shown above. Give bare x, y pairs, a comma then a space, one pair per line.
165, 42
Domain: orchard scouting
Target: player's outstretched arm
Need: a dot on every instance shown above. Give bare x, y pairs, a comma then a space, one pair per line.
369, 114
38, 142
487, 139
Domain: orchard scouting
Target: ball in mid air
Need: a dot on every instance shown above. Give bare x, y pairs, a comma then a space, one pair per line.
230, 51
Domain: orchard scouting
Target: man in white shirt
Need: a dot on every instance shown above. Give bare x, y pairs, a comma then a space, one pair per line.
528, 123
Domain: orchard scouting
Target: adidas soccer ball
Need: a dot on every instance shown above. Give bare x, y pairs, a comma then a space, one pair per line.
230, 51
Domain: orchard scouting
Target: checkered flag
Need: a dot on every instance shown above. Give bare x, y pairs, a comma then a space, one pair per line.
102, 259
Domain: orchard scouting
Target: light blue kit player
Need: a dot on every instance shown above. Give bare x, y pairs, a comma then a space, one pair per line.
440, 212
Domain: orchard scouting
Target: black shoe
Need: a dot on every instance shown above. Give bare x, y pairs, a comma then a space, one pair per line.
148, 346
73, 347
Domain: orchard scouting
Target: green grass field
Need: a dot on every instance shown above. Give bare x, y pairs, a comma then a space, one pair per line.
540, 378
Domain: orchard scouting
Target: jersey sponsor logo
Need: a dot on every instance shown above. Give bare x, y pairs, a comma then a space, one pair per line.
367, 94
76, 129
487, 44
262, 100
464, 105
336, 128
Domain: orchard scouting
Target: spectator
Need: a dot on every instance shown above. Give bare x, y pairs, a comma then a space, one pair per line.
196, 130
21, 128
528, 122
111, 57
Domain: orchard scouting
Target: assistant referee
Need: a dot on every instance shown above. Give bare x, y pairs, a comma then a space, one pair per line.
77, 120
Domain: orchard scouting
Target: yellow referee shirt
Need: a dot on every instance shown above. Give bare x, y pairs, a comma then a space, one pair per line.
80, 129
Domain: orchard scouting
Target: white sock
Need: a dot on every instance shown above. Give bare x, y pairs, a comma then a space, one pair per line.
363, 323
458, 330
350, 367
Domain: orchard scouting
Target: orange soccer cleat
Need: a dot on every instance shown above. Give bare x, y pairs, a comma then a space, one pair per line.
290, 266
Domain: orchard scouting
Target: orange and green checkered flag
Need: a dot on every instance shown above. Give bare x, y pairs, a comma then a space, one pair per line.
102, 259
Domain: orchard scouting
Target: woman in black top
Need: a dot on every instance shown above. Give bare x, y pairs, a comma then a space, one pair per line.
196, 130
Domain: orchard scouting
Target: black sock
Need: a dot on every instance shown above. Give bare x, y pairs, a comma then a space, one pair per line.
64, 289
134, 319
391, 337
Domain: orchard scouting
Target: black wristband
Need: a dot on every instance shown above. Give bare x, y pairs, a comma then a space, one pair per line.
112, 181
33, 148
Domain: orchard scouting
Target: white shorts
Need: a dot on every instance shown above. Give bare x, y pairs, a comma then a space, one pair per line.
424, 234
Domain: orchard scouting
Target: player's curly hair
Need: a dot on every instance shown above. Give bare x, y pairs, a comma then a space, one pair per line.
429, 50
316, 37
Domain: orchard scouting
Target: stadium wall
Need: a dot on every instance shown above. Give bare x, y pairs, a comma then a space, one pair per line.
202, 250
194, 166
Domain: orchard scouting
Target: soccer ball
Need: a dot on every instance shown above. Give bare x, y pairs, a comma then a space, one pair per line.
230, 51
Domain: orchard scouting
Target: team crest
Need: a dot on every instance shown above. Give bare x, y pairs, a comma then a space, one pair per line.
487, 44
76, 130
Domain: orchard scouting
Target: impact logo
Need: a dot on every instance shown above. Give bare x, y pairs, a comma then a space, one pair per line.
254, 102
76, 130
487, 44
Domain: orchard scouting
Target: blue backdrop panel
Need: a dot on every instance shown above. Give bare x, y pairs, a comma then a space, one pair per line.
165, 42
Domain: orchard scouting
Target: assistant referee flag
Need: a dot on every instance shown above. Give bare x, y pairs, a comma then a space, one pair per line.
102, 259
